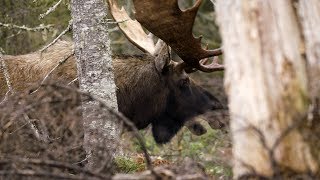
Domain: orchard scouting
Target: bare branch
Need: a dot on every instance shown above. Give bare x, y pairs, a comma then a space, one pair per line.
50, 10
41, 27
58, 37
31, 173
4, 69
119, 116
62, 61
33, 127
73, 81
55, 164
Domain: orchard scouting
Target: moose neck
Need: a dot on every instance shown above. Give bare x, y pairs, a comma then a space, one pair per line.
141, 90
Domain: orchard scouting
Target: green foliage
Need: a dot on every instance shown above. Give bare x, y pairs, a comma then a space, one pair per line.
203, 149
14, 41
26, 13
128, 165
215, 169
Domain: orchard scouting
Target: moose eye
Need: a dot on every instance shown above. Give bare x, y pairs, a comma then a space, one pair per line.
184, 82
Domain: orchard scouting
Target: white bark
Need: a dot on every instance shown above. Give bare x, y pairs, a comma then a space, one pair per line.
95, 71
309, 11
266, 81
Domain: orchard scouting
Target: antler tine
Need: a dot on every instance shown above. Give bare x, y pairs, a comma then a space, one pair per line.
214, 65
166, 20
132, 29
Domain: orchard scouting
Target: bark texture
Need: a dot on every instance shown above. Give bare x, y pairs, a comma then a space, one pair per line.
95, 72
309, 14
267, 84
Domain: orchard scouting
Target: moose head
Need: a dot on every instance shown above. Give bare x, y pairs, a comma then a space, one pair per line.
180, 98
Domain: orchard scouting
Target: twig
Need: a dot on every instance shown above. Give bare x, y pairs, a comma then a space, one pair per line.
32, 127
14, 34
111, 21
86, 158
17, 129
62, 61
73, 81
31, 173
43, 136
54, 164
50, 10
41, 27
4, 69
58, 37
119, 116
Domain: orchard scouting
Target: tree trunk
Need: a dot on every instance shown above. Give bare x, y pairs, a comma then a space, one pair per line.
95, 73
267, 84
309, 13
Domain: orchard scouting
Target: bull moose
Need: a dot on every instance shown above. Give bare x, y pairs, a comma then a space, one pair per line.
151, 88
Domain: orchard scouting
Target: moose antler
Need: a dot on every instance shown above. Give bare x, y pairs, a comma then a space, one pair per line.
133, 30
166, 20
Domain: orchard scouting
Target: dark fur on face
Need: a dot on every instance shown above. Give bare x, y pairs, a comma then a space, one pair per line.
166, 98
192, 101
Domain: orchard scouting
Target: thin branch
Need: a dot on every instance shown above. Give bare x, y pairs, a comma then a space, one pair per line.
50, 10
111, 21
119, 116
5, 97
41, 27
62, 61
86, 158
55, 164
32, 127
73, 81
58, 37
30, 173
5, 71
43, 136
17, 129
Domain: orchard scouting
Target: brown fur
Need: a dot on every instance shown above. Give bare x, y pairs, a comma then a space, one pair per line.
145, 94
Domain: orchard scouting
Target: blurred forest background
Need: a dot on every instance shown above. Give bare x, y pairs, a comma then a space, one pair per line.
27, 13
211, 149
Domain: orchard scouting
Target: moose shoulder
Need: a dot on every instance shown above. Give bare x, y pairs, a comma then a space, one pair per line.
148, 91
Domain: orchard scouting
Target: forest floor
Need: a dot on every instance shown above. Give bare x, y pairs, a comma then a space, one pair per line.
41, 135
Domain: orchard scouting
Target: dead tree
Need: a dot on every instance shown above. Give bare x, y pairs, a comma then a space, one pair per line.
95, 74
268, 85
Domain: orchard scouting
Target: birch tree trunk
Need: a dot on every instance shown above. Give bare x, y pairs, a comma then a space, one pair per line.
267, 83
95, 73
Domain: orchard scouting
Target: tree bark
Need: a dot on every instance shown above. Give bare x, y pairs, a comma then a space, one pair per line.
309, 13
95, 73
267, 84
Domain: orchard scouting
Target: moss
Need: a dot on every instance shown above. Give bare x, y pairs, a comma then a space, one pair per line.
128, 165
205, 149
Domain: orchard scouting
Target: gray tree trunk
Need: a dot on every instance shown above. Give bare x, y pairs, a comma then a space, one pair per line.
95, 73
268, 85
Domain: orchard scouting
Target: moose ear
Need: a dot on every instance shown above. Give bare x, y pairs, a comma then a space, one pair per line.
162, 58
